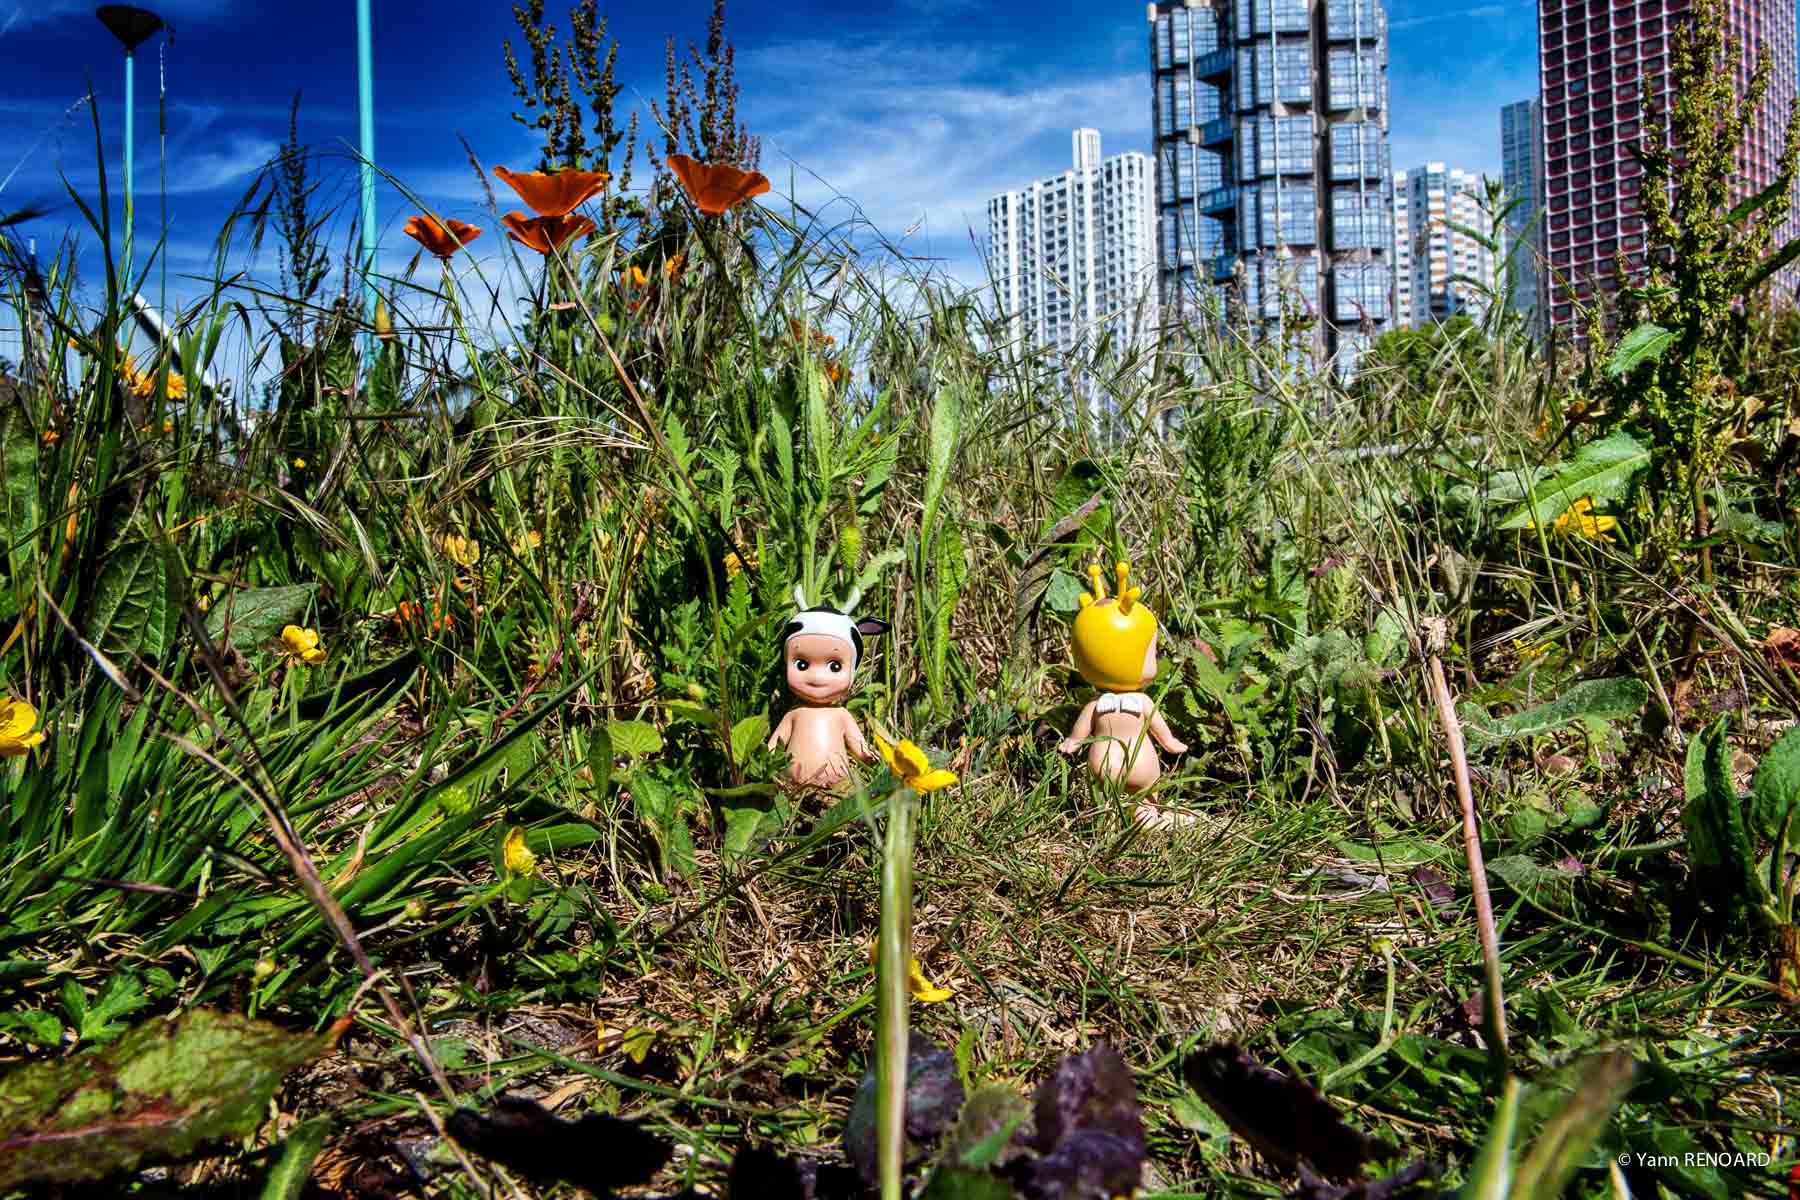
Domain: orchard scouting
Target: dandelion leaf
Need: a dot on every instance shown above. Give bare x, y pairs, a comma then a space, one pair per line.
1601, 469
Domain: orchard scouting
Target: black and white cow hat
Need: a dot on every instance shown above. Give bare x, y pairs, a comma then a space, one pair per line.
833, 622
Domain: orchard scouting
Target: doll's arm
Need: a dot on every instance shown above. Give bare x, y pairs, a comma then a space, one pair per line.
783, 731
853, 739
1165, 737
1084, 729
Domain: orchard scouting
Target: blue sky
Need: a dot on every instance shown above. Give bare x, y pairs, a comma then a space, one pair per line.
915, 111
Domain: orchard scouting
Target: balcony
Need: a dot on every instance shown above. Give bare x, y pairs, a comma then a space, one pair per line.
1216, 132
1213, 64
1218, 200
1223, 266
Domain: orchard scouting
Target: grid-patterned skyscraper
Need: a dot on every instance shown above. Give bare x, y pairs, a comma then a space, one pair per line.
1593, 57
1075, 255
1270, 121
1452, 271
1522, 171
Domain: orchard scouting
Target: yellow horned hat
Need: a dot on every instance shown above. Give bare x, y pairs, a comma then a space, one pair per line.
1112, 635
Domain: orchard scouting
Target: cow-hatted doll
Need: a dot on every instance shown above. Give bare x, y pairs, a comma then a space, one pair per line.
820, 649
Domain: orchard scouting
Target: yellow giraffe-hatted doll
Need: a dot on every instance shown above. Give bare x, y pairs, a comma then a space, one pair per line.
1115, 651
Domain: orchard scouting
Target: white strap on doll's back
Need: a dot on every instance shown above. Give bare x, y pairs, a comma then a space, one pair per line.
1129, 702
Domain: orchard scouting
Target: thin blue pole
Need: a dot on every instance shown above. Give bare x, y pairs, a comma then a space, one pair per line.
365, 81
130, 142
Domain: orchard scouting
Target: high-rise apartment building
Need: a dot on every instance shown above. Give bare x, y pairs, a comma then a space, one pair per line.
1594, 57
1074, 255
1522, 173
1272, 171
1403, 246
1451, 271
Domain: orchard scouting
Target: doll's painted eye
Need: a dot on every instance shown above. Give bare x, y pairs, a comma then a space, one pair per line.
836, 665
800, 664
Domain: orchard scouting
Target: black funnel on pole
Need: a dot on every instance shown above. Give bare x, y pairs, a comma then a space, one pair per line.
131, 25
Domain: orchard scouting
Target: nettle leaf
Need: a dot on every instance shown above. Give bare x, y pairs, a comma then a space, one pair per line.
255, 615
1646, 343
1601, 469
748, 734
162, 1090
131, 607
1718, 843
1590, 700
636, 738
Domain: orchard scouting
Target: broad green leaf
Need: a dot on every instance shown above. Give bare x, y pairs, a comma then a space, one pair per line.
946, 428
256, 615
1589, 700
747, 735
658, 806
635, 738
163, 1090
741, 826
965, 1183
287, 1179
600, 759
989, 1118
1563, 1141
1646, 343
1718, 843
19, 448
131, 608
1600, 469
1776, 790
1064, 593
1491, 1177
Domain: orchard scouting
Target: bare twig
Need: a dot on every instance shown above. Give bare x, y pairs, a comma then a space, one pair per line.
1495, 1008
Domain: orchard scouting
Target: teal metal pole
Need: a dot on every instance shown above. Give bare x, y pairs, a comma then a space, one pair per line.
365, 87
130, 142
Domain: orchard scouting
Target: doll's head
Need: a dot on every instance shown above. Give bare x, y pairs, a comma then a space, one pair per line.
1115, 637
820, 648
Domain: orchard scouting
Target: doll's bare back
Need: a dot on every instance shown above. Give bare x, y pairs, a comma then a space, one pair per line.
1121, 748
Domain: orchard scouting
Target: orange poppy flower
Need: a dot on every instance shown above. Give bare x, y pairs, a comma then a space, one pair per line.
555, 195
442, 238
545, 234
715, 187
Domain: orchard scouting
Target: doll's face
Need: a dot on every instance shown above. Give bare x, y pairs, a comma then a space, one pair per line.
818, 667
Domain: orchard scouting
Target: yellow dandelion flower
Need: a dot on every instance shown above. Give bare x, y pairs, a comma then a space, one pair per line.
672, 266
637, 276
18, 727
912, 768
733, 564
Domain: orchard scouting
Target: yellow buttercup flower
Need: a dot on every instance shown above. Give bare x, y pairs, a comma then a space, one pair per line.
637, 276
18, 731
734, 564
1526, 650
464, 552
303, 644
672, 265
531, 541
1580, 520
923, 990
912, 768
520, 860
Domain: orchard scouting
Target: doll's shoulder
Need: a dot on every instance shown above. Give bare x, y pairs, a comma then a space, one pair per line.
1135, 704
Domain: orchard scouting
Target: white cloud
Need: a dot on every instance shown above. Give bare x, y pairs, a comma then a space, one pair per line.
1480, 12
921, 138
